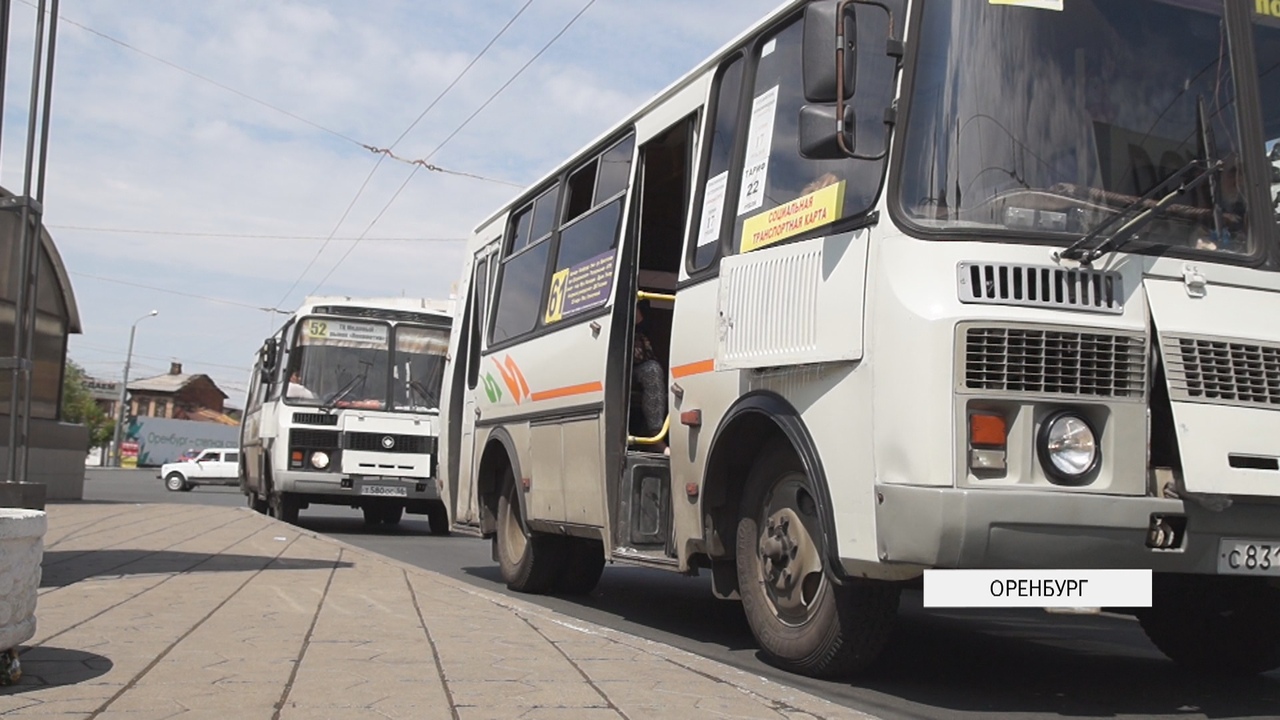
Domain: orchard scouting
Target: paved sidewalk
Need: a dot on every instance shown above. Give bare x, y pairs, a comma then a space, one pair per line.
182, 611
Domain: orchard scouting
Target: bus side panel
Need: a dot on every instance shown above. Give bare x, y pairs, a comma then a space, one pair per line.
693, 347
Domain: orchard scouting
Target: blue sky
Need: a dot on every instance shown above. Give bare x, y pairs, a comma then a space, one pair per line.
150, 168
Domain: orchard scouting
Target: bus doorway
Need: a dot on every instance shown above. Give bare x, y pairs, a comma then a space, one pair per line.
643, 530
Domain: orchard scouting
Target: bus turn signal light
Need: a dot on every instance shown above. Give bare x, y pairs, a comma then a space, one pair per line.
987, 431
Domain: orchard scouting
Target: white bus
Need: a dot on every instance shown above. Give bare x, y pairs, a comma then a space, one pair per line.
344, 409
986, 285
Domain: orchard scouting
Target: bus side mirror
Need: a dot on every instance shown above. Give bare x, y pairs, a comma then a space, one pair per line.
824, 73
267, 355
817, 141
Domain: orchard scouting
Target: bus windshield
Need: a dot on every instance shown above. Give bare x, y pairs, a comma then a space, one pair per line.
1047, 118
340, 363
417, 372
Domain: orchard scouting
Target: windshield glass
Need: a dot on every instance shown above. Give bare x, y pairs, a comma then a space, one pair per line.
343, 363
1266, 37
1047, 121
417, 373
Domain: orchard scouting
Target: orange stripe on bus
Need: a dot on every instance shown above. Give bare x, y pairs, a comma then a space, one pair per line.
693, 368
582, 389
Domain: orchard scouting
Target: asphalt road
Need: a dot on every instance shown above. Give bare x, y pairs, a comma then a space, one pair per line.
973, 664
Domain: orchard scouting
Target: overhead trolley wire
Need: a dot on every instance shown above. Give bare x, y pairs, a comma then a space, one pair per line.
382, 154
452, 135
224, 301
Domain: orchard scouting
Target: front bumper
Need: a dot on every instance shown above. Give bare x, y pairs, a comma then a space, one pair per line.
959, 528
336, 485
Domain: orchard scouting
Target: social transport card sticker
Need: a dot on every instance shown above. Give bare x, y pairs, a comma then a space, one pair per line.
820, 207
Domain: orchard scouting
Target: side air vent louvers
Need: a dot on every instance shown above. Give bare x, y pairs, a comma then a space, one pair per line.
1219, 371
1032, 286
1054, 362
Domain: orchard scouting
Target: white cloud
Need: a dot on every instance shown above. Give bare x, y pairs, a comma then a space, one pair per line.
137, 144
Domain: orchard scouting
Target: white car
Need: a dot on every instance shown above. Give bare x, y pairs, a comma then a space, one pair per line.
210, 467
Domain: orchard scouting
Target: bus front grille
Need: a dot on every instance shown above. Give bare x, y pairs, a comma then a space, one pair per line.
390, 442
1224, 372
1054, 362
313, 439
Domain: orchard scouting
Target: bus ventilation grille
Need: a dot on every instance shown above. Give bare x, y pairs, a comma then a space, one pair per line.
1032, 286
1054, 362
1222, 372
324, 419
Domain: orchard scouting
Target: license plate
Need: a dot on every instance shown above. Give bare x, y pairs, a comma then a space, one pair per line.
392, 490
1248, 557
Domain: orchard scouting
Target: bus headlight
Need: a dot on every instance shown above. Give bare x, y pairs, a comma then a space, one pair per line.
319, 460
1068, 447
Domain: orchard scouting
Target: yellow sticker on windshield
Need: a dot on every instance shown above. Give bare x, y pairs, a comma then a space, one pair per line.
1041, 4
818, 208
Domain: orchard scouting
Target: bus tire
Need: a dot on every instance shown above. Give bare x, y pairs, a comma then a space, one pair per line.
256, 503
391, 514
174, 482
372, 514
801, 619
530, 562
584, 564
1219, 625
285, 507
438, 518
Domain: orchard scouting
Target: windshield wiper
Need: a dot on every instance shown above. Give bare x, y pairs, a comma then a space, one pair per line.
345, 390
1125, 233
1078, 250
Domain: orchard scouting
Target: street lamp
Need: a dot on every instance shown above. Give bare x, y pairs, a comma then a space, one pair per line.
124, 385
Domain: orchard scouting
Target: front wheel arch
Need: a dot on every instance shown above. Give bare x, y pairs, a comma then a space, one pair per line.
499, 455
754, 420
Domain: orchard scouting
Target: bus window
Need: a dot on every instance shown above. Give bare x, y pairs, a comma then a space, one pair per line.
480, 300
417, 373
524, 268
724, 127
774, 173
587, 247
520, 293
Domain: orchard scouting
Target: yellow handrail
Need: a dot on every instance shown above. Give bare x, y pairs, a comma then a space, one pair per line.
662, 435
646, 295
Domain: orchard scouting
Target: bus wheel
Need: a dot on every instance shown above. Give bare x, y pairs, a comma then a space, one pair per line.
391, 514
583, 566
438, 518
256, 503
285, 507
372, 514
529, 562
801, 619
1214, 624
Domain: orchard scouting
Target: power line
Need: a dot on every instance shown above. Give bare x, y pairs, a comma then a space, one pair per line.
178, 292
388, 153
99, 348
247, 236
223, 86
519, 72
454, 134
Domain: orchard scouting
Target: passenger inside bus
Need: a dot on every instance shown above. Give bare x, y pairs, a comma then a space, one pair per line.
297, 390
648, 378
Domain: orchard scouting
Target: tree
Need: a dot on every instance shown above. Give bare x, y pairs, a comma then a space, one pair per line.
78, 406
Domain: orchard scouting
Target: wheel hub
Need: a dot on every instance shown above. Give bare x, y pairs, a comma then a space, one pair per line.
780, 547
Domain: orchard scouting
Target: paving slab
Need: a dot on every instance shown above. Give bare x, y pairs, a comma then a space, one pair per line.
179, 611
